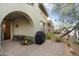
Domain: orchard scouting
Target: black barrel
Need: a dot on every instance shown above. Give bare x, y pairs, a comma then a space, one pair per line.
39, 37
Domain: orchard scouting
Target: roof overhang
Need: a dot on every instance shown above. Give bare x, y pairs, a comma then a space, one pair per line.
42, 7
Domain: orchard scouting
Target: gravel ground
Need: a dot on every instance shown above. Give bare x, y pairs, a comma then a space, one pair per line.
49, 48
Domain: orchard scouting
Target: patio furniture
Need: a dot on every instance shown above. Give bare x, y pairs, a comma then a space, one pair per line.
18, 37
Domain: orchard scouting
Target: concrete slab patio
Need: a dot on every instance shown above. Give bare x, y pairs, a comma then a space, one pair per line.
49, 48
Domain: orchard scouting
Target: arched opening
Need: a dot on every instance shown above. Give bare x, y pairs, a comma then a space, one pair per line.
16, 23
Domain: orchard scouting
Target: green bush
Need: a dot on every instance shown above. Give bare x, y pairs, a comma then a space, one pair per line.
75, 41
59, 39
27, 40
51, 35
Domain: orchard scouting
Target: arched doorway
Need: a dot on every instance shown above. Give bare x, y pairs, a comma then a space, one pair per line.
16, 23
6, 29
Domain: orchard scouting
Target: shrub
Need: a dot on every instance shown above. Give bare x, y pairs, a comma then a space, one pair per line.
58, 39
76, 41
54, 36
49, 35
27, 40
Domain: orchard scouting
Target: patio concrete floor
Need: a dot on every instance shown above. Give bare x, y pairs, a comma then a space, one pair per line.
49, 48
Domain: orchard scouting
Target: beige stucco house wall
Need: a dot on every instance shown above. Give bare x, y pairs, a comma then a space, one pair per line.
24, 27
33, 11
50, 26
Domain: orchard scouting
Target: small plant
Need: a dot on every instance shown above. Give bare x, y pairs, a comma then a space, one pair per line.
58, 39
50, 35
27, 40
53, 36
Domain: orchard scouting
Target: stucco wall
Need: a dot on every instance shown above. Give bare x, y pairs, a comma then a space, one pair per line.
42, 18
24, 27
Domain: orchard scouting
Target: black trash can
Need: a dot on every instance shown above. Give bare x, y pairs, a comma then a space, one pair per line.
39, 37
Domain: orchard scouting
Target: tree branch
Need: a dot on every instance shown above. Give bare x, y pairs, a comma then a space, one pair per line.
70, 30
